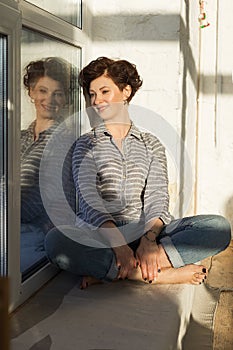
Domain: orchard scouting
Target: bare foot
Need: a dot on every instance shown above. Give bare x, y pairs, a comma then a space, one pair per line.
88, 281
136, 275
188, 274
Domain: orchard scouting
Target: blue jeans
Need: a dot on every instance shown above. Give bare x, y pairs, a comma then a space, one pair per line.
185, 241
31, 245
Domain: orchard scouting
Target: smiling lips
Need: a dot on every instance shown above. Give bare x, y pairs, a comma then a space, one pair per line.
100, 109
50, 108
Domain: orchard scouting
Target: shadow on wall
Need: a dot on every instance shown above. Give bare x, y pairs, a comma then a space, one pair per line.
136, 27
228, 213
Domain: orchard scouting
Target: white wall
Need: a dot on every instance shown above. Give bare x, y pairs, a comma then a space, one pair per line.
147, 35
179, 64
215, 170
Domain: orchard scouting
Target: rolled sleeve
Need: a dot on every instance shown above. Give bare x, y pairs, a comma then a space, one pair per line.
156, 197
92, 210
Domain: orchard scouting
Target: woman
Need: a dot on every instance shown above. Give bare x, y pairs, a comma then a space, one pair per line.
121, 179
48, 82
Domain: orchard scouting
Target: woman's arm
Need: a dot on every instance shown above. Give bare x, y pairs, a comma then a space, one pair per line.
147, 252
92, 209
125, 259
156, 202
156, 196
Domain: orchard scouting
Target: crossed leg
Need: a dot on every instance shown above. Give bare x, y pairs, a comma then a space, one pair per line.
188, 274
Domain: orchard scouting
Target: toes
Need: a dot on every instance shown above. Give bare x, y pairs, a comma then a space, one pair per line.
204, 270
84, 283
198, 278
199, 268
201, 271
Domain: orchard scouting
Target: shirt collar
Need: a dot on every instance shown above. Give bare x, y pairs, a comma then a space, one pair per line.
50, 130
101, 130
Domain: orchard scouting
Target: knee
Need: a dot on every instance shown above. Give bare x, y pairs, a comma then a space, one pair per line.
52, 243
58, 249
222, 229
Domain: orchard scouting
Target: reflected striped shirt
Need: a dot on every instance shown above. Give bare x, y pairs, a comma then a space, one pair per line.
32, 151
31, 154
127, 185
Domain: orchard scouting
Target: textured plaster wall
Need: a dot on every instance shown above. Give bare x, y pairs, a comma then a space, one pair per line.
215, 170
189, 70
148, 35
187, 77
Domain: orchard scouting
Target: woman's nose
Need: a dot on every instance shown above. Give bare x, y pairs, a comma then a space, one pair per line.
97, 99
50, 98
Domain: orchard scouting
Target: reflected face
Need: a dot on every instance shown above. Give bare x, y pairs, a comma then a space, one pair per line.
106, 97
49, 97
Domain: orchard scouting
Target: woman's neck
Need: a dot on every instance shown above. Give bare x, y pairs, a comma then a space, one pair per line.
118, 130
42, 125
119, 127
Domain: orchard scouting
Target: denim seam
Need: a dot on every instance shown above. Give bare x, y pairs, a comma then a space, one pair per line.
173, 255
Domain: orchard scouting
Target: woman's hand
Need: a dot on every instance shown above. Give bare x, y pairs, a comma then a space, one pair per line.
147, 256
125, 261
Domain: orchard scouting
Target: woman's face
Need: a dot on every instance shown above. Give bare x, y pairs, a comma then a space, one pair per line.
107, 98
49, 97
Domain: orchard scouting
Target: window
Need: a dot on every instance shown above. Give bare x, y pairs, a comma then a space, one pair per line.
68, 10
3, 154
29, 33
34, 48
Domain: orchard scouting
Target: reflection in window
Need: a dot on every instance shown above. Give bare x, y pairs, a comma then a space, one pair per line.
68, 10
3, 155
49, 96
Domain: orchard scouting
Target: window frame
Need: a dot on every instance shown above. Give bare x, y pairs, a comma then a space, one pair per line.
13, 17
77, 26
11, 26
39, 20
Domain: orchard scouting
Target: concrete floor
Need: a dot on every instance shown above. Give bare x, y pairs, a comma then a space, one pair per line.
220, 276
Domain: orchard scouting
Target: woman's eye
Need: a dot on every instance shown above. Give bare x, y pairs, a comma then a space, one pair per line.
42, 91
105, 91
59, 94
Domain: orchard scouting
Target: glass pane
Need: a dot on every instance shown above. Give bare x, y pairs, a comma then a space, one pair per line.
68, 10
49, 96
3, 154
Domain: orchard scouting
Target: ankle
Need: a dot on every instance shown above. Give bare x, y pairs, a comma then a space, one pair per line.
163, 258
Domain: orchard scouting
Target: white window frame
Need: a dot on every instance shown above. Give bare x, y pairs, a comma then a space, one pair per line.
10, 25
14, 15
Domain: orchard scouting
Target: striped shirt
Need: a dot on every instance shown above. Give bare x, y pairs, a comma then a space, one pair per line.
32, 208
128, 185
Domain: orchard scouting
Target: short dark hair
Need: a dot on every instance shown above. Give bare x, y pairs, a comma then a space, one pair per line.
122, 73
53, 67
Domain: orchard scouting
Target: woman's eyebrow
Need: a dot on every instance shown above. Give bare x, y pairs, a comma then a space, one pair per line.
103, 87
45, 87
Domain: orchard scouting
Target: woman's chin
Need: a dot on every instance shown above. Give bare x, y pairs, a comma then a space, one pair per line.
107, 116
51, 116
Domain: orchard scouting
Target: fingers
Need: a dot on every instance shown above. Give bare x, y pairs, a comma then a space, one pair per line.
144, 271
148, 256
125, 268
149, 269
123, 272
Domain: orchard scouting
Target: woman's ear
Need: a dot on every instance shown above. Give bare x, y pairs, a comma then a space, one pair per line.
127, 91
31, 92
